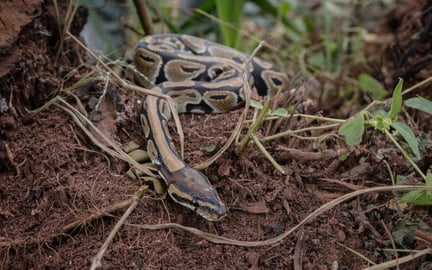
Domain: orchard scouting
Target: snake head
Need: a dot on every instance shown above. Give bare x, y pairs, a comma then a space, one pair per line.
193, 190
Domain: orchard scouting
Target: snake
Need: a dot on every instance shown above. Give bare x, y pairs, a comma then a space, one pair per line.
201, 77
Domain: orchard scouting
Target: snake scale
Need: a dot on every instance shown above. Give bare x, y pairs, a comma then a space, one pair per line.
201, 77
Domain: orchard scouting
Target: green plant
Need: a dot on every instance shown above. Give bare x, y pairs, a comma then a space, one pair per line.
388, 123
231, 12
419, 197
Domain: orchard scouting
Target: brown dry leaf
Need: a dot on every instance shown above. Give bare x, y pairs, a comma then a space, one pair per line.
256, 208
396, 205
104, 117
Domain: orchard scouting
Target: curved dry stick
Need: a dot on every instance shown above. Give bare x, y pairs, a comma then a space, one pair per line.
116, 151
272, 241
397, 262
97, 259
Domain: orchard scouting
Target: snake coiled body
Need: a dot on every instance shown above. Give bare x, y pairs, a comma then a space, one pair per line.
201, 77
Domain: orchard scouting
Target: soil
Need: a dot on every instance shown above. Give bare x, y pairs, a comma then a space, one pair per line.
59, 191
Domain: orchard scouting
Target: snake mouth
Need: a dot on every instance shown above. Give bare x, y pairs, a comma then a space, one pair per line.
213, 210
213, 214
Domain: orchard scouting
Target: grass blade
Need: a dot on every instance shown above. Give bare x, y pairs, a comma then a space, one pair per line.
231, 12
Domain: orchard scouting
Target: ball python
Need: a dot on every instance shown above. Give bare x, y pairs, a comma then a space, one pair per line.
201, 77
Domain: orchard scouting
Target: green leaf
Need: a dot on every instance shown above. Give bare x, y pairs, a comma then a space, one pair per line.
231, 12
353, 129
317, 59
344, 156
378, 122
396, 105
209, 148
370, 84
419, 197
400, 179
408, 135
280, 11
280, 112
256, 104
428, 180
420, 103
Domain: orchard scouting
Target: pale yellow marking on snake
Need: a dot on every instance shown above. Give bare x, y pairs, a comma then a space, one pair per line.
149, 63
196, 44
170, 159
145, 125
181, 70
151, 149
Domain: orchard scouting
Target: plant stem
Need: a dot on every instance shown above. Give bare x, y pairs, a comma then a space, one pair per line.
290, 132
405, 154
260, 118
320, 118
144, 16
422, 83
266, 153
